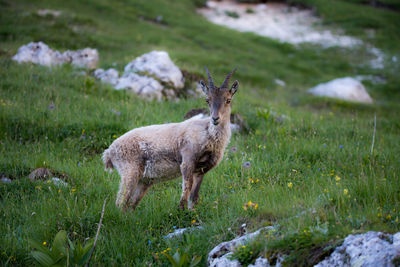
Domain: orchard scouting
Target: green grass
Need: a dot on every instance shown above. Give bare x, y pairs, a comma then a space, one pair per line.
321, 138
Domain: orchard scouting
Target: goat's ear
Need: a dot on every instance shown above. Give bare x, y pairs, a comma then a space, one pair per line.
204, 87
234, 87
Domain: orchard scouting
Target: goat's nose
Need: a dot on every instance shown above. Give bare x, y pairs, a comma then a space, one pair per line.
215, 120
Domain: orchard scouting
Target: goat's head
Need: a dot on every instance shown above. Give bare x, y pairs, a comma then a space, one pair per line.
219, 98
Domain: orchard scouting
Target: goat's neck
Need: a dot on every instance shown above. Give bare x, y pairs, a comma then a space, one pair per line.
222, 131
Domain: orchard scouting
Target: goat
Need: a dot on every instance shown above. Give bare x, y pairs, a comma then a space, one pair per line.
152, 154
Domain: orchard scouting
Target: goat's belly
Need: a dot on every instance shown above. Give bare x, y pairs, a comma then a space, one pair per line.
161, 170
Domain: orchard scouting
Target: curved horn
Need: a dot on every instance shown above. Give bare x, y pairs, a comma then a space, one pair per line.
225, 84
210, 80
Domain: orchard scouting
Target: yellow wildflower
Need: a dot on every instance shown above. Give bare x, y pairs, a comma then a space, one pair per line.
193, 221
389, 217
337, 178
44, 243
290, 185
73, 189
345, 191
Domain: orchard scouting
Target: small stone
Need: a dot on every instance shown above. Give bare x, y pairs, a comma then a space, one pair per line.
181, 231
346, 88
45, 12
6, 180
58, 182
280, 82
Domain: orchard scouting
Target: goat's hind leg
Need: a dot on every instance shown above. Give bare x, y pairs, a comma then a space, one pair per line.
129, 181
140, 190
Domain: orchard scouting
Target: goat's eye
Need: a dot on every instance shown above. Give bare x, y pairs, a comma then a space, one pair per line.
208, 101
228, 101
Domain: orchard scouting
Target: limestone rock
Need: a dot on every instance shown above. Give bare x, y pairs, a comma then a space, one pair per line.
158, 64
143, 86
51, 12
109, 76
368, 249
218, 255
260, 262
5, 180
58, 182
40, 53
84, 58
225, 261
40, 173
346, 88
181, 231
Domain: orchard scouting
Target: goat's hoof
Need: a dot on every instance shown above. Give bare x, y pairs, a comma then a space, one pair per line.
182, 205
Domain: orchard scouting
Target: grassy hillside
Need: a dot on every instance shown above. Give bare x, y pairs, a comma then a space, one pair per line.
312, 174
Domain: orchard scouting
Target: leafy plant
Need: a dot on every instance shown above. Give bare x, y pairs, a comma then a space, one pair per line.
263, 113
182, 260
248, 253
62, 252
232, 14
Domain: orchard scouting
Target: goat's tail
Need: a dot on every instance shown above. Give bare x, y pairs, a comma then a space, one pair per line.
107, 160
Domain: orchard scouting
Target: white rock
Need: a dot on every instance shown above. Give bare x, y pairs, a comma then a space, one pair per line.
225, 261
260, 262
368, 250
6, 180
40, 53
84, 58
143, 86
45, 12
159, 64
280, 82
218, 254
107, 76
181, 231
343, 88
58, 182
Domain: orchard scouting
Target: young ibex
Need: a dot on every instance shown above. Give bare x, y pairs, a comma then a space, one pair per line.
152, 154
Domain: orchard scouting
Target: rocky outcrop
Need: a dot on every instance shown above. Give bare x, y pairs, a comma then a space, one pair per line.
346, 88
159, 65
152, 76
370, 249
40, 53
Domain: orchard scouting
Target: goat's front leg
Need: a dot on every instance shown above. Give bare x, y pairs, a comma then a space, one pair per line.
187, 168
194, 192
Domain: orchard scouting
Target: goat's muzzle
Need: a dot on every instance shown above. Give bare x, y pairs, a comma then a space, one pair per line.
215, 121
